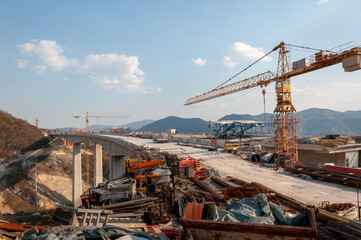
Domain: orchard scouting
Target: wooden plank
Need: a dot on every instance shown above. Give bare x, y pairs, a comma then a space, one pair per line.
84, 219
106, 220
90, 219
8, 234
126, 215
18, 228
136, 225
98, 219
127, 203
73, 219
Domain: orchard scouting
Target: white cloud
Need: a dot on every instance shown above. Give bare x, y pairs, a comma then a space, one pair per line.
40, 68
112, 71
154, 90
338, 95
228, 62
240, 51
211, 104
48, 52
322, 1
199, 61
22, 63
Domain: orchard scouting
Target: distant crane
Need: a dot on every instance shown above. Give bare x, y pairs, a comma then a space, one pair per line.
87, 116
285, 123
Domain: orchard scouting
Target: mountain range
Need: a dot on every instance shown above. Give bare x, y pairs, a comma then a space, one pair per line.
312, 121
133, 125
190, 125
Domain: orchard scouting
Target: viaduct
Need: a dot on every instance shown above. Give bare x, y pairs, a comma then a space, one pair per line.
117, 149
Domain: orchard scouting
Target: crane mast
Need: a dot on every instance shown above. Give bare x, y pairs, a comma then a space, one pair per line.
285, 122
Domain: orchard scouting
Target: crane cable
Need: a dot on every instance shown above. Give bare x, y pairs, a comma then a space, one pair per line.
315, 49
274, 49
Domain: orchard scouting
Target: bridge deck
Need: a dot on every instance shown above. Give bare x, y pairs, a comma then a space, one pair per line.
306, 191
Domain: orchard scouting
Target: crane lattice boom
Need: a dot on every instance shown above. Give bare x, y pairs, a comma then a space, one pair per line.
232, 88
320, 60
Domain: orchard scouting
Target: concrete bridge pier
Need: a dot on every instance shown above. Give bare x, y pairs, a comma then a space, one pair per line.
117, 166
116, 148
77, 181
98, 164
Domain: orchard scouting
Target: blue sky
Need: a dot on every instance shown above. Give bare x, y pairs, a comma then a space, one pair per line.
145, 58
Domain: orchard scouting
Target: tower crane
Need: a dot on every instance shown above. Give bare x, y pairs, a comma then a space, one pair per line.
285, 122
87, 116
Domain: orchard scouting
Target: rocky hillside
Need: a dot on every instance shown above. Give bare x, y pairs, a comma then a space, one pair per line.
53, 166
25, 150
52, 160
15, 134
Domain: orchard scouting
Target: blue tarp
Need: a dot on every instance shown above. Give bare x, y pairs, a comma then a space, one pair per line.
256, 209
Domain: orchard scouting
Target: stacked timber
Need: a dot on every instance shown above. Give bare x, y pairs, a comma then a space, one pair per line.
133, 206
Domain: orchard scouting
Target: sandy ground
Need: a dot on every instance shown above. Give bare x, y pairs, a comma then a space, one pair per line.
306, 191
56, 188
54, 181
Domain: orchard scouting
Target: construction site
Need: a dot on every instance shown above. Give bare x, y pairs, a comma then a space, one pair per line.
184, 120
242, 179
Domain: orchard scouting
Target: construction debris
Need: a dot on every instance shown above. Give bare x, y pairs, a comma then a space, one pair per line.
335, 207
335, 141
110, 192
154, 193
11, 227
77, 233
137, 205
326, 175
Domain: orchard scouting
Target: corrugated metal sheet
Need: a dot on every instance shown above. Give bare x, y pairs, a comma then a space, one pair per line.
193, 211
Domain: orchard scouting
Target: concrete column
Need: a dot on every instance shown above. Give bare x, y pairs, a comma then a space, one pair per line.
98, 164
77, 181
117, 167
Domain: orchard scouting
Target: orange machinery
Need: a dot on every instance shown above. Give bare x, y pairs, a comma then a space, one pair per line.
142, 165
